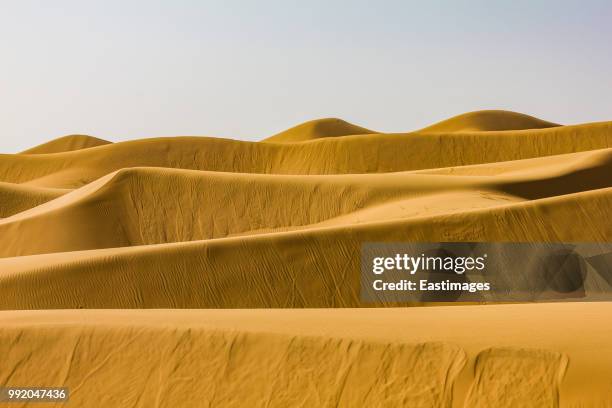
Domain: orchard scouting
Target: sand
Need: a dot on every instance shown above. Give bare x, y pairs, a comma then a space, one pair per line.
256, 234
459, 356
16, 198
488, 120
317, 129
66, 144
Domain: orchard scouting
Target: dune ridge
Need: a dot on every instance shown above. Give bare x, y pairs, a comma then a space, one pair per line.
487, 121
66, 144
127, 202
381, 153
317, 129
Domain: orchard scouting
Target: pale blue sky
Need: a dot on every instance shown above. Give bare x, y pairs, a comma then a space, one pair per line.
247, 69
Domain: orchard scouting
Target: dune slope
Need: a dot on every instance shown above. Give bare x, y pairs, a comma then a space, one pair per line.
124, 208
326, 357
318, 267
15, 198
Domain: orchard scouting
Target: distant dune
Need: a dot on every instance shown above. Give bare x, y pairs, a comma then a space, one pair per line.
317, 129
355, 154
200, 222
487, 121
66, 144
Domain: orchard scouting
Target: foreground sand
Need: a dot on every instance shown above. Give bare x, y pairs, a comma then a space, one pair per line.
537, 355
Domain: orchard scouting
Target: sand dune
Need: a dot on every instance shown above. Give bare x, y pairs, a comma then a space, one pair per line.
488, 120
201, 222
381, 153
66, 144
317, 267
471, 356
124, 209
317, 129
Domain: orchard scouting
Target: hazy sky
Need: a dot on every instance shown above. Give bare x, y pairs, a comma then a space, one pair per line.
247, 69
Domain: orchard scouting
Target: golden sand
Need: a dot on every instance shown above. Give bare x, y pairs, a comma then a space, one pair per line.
209, 223
536, 355
66, 144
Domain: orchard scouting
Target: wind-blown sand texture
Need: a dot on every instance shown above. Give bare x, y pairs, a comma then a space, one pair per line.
202, 222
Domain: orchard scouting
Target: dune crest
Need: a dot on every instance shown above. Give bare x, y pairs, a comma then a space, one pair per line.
66, 144
487, 121
317, 129
378, 153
